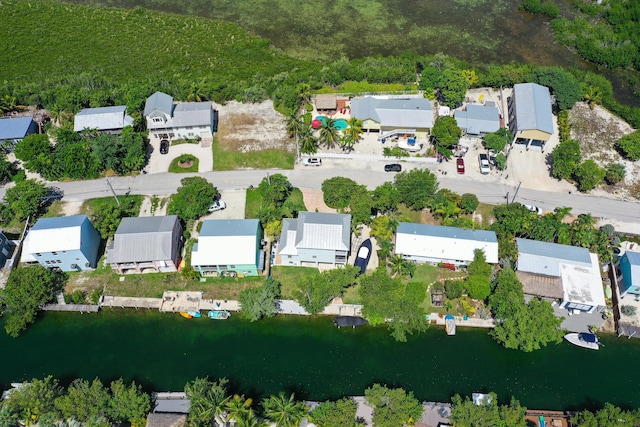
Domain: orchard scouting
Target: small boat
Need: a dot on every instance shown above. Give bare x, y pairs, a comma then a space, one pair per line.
364, 254
583, 339
353, 321
450, 324
194, 313
218, 314
185, 315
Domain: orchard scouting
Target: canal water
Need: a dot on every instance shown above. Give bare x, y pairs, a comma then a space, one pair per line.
309, 356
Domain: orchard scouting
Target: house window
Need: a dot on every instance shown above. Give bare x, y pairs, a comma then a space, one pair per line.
157, 120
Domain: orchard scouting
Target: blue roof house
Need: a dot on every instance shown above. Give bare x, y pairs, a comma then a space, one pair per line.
478, 119
68, 243
530, 115
630, 267
13, 130
226, 246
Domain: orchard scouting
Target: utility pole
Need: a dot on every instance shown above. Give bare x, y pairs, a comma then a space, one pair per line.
108, 183
516, 192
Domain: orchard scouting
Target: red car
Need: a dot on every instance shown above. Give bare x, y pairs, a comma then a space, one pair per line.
460, 165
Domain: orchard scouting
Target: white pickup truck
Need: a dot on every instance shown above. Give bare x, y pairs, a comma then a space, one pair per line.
484, 164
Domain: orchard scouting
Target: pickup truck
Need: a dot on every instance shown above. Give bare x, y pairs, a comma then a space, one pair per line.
484, 164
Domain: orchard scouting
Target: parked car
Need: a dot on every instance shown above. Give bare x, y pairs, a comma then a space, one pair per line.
312, 161
460, 165
492, 157
533, 209
217, 205
393, 167
485, 168
164, 146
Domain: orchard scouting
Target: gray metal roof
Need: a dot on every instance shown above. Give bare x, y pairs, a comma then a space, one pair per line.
288, 224
143, 239
229, 227
533, 107
193, 114
633, 257
407, 112
14, 128
317, 230
478, 119
545, 257
159, 102
103, 118
59, 222
446, 232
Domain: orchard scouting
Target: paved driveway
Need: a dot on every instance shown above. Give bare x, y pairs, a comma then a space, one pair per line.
159, 163
235, 200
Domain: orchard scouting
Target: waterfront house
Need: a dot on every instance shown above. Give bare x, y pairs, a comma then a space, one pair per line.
530, 115
229, 246
6, 249
478, 120
630, 268
146, 244
68, 243
169, 120
14, 129
394, 116
315, 238
104, 119
568, 275
452, 245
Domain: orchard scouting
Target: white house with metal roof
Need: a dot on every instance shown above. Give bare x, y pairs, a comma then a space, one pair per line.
315, 238
530, 115
229, 245
435, 243
567, 274
169, 120
389, 116
68, 243
14, 129
105, 119
478, 119
146, 244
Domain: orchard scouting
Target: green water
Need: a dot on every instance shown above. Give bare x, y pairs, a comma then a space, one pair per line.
314, 359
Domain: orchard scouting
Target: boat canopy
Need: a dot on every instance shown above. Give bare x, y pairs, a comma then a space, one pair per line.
588, 337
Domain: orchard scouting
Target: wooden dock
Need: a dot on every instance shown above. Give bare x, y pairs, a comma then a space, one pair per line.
82, 308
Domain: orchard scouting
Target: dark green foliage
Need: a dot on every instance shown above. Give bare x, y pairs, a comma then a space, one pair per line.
430, 79
589, 175
128, 403
479, 265
562, 84
609, 416
341, 413
386, 198
316, 292
260, 302
338, 191
7, 169
208, 399
34, 400
284, 410
501, 161
543, 7
497, 140
566, 158
478, 286
392, 406
27, 289
615, 173
505, 75
507, 294
361, 206
453, 87
193, 198
275, 189
453, 288
465, 413
468, 203
416, 187
34, 150
630, 145
107, 214
445, 134
26, 199
384, 297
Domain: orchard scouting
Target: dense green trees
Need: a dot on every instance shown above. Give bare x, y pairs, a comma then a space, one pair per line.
317, 291
108, 213
338, 191
465, 413
566, 158
392, 406
260, 302
27, 289
339, 413
27, 199
562, 84
192, 199
453, 87
589, 175
445, 134
497, 140
283, 410
416, 187
208, 399
630, 145
609, 416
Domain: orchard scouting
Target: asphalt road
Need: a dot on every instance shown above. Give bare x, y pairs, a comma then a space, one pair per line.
494, 193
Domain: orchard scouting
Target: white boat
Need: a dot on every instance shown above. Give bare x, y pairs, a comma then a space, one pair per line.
450, 324
583, 339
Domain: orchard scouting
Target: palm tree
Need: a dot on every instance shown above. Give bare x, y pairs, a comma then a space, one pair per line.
386, 247
237, 408
329, 135
347, 142
251, 420
308, 142
593, 95
283, 411
59, 115
355, 128
208, 400
196, 91
303, 91
295, 124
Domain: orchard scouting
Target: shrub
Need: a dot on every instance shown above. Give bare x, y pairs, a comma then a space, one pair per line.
478, 286
628, 310
469, 202
453, 288
615, 173
566, 158
589, 175
501, 161
629, 145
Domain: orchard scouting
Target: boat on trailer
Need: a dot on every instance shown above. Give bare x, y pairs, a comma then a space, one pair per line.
584, 339
450, 324
218, 314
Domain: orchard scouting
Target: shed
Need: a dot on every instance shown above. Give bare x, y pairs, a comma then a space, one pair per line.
326, 101
106, 119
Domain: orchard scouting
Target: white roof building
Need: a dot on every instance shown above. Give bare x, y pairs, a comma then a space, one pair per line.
434, 243
106, 119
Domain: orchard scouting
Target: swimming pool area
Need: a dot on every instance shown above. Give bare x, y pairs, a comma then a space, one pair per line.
339, 124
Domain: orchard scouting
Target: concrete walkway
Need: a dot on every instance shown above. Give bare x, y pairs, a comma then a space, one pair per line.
471, 322
126, 302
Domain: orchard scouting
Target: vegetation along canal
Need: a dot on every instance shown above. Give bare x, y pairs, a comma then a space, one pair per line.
316, 360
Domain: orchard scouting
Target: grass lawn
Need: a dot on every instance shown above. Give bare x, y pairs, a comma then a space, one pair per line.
289, 277
254, 201
225, 160
55, 209
89, 207
486, 211
408, 215
352, 295
176, 168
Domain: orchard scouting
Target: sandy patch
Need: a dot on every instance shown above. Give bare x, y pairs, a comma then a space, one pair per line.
71, 208
314, 201
252, 127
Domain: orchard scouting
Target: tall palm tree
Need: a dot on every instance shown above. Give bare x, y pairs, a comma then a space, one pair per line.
295, 124
386, 247
303, 91
308, 142
251, 420
237, 408
400, 266
329, 135
208, 400
59, 115
283, 411
347, 142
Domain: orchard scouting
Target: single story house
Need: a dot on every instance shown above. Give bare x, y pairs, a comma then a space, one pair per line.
69, 243
630, 268
146, 244
105, 119
6, 249
169, 120
530, 115
394, 116
232, 245
315, 238
478, 119
567, 274
14, 129
435, 244
326, 101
